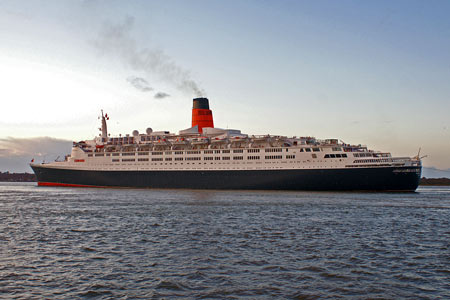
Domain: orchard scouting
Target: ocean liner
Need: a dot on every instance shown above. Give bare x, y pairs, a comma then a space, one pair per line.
206, 157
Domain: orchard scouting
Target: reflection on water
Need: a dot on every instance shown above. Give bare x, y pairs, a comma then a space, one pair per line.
143, 244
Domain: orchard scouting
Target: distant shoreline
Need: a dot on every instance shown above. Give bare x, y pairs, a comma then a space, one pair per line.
435, 181
30, 177
17, 177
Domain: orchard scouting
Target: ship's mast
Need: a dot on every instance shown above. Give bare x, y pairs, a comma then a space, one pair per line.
104, 127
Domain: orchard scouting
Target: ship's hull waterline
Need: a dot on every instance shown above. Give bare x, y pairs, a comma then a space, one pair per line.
356, 179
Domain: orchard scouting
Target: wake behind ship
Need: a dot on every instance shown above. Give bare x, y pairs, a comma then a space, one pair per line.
205, 157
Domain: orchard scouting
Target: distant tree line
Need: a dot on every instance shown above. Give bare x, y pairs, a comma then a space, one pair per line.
17, 177
434, 181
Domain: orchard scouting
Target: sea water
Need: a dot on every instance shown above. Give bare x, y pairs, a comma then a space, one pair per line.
77, 243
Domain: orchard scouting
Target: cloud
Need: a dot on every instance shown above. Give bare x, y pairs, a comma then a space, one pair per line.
16, 153
161, 95
139, 83
115, 39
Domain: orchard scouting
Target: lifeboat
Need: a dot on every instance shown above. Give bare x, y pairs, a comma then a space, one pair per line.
261, 138
218, 140
200, 141
179, 141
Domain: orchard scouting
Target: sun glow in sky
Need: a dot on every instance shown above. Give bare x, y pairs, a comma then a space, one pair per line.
375, 73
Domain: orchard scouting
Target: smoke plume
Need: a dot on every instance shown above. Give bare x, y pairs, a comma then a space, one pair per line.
161, 95
115, 39
139, 83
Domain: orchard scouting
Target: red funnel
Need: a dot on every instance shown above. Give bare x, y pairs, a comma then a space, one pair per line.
201, 114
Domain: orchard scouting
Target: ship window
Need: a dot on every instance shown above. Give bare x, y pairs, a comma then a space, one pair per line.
316, 149
238, 151
89, 155
314, 155
225, 151
301, 150
178, 152
99, 154
157, 153
178, 158
157, 159
338, 155
115, 154
142, 159
142, 153
308, 149
168, 152
217, 158
208, 151
290, 156
168, 159
128, 154
208, 158
216, 151
327, 156
332, 155
344, 155
226, 158
115, 160
336, 149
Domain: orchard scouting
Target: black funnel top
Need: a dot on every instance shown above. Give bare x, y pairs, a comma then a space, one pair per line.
201, 103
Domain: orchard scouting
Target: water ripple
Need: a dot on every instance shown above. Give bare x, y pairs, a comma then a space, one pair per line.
62, 243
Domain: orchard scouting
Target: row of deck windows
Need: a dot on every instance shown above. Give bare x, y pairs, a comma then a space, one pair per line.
362, 154
252, 157
188, 152
193, 158
273, 150
370, 160
252, 150
309, 149
314, 149
128, 159
274, 157
335, 155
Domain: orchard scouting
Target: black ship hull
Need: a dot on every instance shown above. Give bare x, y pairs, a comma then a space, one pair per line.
354, 179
